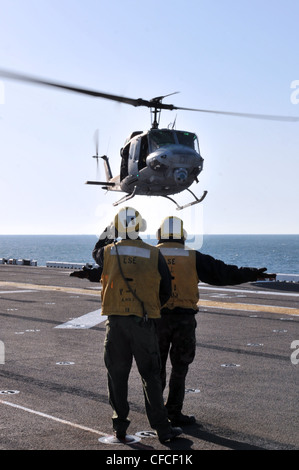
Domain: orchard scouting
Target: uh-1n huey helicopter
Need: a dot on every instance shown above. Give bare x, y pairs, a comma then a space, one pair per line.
156, 162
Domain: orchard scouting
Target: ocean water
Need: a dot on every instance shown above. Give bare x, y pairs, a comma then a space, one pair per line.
279, 253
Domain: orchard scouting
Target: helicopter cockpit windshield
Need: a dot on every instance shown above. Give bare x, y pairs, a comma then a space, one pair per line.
160, 138
189, 139
164, 137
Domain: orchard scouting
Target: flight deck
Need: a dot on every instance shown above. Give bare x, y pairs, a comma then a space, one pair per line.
242, 386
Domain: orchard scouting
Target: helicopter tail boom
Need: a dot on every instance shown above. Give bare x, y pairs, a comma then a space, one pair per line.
107, 167
111, 184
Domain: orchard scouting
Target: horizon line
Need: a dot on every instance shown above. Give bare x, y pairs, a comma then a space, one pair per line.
141, 236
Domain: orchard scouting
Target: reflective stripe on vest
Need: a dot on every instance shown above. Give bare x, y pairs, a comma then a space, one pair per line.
131, 251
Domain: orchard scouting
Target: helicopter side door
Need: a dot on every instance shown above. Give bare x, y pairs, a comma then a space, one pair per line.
134, 156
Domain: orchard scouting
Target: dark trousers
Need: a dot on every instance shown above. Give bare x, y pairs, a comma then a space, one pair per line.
176, 336
128, 337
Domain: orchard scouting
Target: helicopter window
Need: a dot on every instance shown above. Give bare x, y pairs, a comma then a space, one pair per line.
134, 150
160, 138
189, 139
143, 152
124, 162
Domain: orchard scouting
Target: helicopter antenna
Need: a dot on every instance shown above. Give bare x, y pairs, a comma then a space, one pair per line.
174, 122
171, 125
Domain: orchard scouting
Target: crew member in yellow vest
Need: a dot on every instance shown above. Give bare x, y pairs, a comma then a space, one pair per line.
136, 283
176, 328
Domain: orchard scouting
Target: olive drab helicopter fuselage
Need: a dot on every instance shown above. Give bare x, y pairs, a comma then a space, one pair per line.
158, 162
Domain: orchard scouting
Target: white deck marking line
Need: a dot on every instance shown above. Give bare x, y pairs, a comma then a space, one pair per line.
53, 418
85, 321
247, 291
15, 291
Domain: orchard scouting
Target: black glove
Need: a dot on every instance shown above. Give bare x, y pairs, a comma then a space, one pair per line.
80, 274
262, 275
92, 274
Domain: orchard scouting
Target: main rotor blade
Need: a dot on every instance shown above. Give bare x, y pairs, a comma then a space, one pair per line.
154, 103
246, 115
63, 86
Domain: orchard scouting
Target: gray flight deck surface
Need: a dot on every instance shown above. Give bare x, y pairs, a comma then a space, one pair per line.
242, 386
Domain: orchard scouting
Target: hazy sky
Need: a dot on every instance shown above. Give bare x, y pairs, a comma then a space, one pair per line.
232, 55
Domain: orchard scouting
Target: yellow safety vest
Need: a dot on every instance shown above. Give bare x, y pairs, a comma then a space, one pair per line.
182, 265
139, 263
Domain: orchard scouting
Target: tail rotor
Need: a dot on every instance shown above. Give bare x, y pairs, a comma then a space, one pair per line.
96, 142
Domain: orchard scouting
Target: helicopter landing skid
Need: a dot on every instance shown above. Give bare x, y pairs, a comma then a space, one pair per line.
197, 201
125, 198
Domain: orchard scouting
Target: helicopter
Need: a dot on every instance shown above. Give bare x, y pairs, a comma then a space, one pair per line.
156, 162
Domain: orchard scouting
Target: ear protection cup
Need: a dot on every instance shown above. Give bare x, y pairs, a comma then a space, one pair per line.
143, 226
128, 220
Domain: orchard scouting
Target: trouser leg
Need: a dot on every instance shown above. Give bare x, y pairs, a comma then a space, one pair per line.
118, 361
164, 333
176, 392
182, 354
146, 353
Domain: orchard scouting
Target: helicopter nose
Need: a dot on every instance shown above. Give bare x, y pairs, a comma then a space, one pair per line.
180, 175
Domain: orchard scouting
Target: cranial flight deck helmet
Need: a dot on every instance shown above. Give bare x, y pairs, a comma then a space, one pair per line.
128, 222
171, 228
